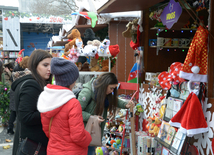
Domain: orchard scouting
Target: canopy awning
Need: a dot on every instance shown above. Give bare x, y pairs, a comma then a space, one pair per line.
127, 5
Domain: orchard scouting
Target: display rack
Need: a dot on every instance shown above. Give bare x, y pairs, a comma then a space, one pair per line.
130, 86
60, 48
161, 29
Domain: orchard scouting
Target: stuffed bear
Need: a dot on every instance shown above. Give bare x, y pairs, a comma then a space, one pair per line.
154, 128
74, 35
94, 43
105, 65
89, 49
79, 65
94, 65
85, 67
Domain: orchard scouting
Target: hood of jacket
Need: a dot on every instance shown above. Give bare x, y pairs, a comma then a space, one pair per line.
90, 85
19, 77
53, 98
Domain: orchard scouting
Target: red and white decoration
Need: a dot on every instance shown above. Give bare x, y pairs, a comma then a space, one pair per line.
167, 78
184, 117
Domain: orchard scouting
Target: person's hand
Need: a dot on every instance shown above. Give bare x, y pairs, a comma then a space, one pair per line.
130, 104
100, 119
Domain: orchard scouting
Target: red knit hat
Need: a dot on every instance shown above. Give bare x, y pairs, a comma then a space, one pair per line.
195, 64
114, 49
190, 118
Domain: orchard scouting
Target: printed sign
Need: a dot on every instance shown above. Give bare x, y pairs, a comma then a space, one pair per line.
171, 14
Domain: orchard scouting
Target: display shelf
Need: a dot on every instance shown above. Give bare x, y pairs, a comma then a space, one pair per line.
167, 47
123, 150
163, 28
117, 133
90, 73
7, 58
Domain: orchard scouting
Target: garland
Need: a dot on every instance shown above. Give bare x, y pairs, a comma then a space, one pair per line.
18, 14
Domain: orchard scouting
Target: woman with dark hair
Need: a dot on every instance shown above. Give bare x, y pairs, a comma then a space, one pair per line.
101, 92
28, 85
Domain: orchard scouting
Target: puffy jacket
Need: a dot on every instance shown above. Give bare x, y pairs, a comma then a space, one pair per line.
67, 133
88, 108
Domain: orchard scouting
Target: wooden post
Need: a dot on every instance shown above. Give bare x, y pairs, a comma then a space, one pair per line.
133, 131
211, 53
145, 42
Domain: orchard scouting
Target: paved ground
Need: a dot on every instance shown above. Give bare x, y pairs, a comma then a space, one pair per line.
3, 137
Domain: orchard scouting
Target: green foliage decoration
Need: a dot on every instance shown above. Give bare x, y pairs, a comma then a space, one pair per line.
13, 14
4, 101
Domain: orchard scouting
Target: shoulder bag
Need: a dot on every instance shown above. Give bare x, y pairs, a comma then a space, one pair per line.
93, 127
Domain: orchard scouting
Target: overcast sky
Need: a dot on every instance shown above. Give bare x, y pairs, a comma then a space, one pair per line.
14, 3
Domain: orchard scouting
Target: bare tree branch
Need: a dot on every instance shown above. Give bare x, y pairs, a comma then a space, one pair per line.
53, 7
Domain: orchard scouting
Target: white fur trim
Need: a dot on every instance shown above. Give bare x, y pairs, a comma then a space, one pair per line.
175, 124
193, 77
192, 132
51, 99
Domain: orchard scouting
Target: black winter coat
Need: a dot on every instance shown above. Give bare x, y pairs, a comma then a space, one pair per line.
27, 113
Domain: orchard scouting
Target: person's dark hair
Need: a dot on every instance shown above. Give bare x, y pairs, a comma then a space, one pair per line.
101, 85
37, 56
9, 65
1, 69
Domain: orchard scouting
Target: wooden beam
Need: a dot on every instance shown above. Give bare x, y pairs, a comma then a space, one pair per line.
211, 53
145, 41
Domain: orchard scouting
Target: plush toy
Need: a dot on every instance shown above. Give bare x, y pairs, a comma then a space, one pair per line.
139, 109
117, 143
90, 50
102, 151
114, 50
113, 129
113, 153
89, 35
121, 113
120, 128
131, 31
73, 55
105, 65
154, 129
95, 43
79, 65
94, 65
75, 34
19, 59
79, 45
85, 67
104, 47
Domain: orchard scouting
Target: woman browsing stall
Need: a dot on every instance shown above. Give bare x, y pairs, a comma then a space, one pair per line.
98, 96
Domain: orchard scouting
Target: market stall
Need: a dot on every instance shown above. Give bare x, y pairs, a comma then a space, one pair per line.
167, 48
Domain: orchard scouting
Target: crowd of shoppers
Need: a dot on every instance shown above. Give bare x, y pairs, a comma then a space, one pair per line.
51, 115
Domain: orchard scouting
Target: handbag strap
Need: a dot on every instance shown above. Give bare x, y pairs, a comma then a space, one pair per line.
19, 123
50, 126
37, 149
